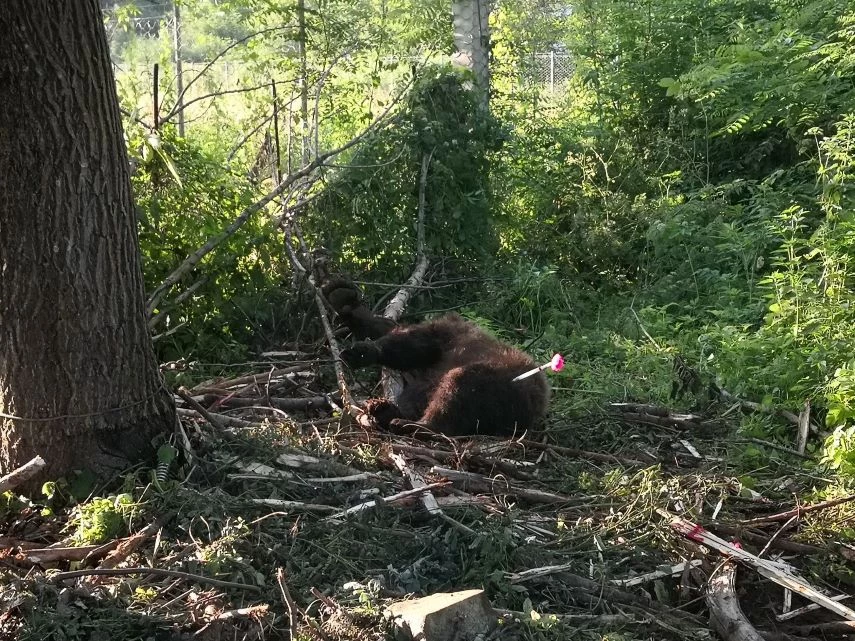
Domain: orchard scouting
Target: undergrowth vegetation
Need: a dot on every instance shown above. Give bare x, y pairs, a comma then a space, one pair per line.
687, 190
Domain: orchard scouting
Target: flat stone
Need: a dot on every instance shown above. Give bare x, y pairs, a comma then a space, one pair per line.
444, 616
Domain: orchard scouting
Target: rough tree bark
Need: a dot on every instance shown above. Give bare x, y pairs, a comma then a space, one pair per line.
79, 383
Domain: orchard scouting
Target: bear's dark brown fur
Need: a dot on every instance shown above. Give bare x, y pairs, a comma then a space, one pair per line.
457, 378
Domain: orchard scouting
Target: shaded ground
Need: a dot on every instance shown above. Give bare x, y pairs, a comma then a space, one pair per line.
548, 525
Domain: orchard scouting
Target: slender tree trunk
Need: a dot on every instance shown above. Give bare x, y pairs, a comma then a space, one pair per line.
79, 383
302, 42
472, 42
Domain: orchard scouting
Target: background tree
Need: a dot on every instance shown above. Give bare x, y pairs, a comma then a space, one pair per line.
78, 380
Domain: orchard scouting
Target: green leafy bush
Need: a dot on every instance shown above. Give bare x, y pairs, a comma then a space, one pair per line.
367, 214
102, 519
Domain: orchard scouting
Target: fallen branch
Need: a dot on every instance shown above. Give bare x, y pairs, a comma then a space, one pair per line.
192, 402
810, 607
726, 615
762, 541
821, 630
129, 545
657, 574
352, 478
154, 321
428, 499
392, 381
596, 593
169, 332
672, 421
797, 511
253, 469
40, 556
22, 474
496, 485
229, 421
65, 576
253, 379
804, 428
298, 460
583, 621
571, 451
297, 506
387, 500
659, 415
774, 446
416, 481
445, 456
398, 304
253, 611
286, 404
335, 350
777, 571
759, 407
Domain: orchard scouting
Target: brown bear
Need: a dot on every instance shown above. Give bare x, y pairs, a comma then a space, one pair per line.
458, 380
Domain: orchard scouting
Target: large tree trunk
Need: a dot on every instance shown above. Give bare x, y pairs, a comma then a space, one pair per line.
79, 383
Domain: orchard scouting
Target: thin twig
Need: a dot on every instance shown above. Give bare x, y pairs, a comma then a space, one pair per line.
293, 625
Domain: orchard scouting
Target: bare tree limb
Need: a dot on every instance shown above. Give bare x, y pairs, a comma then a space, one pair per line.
218, 93
243, 140
392, 381
183, 296
346, 398
180, 98
397, 305
293, 625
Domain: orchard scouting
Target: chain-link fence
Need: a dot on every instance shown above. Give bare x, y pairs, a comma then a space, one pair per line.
551, 70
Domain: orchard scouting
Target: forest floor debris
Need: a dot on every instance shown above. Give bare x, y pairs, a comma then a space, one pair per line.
300, 522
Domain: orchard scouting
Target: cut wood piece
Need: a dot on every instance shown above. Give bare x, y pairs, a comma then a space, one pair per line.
726, 615
443, 616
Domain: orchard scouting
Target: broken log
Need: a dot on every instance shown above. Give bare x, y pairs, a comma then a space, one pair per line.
726, 615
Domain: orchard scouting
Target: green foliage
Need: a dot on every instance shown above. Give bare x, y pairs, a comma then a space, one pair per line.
186, 194
369, 210
103, 519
